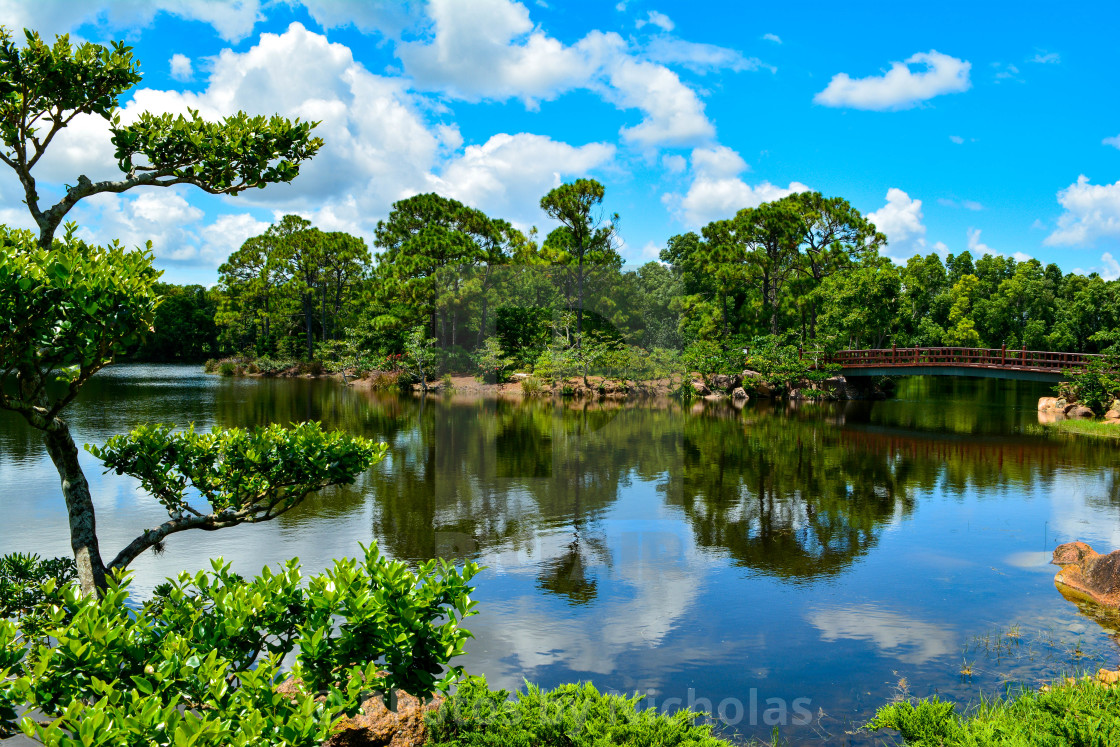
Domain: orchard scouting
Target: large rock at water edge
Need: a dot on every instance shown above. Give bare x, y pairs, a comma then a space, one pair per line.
701, 388
1047, 403
740, 394
1080, 412
724, 382
1088, 574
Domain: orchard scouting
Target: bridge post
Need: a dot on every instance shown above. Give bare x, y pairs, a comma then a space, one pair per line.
1003, 355
915, 353
1023, 362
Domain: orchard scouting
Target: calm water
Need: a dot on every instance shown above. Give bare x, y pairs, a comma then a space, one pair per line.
842, 554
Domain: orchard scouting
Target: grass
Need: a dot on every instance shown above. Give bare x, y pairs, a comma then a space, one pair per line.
1080, 713
575, 715
1097, 428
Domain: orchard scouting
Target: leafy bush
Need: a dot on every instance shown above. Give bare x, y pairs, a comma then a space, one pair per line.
574, 715
21, 587
199, 663
1076, 713
227, 368
312, 368
1095, 386
493, 364
531, 385
525, 332
707, 358
273, 366
456, 359
211, 366
782, 365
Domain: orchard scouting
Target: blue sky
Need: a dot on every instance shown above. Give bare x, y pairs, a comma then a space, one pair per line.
982, 126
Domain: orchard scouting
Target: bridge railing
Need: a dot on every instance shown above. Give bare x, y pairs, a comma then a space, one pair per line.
1034, 360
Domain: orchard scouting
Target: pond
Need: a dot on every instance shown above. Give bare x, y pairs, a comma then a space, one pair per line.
775, 564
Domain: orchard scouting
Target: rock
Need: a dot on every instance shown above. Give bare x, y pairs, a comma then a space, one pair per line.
715, 396
724, 382
795, 394
1080, 412
749, 374
739, 393
1112, 415
1088, 574
1047, 403
380, 727
836, 387
701, 388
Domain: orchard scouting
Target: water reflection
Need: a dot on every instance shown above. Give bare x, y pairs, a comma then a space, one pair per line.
813, 551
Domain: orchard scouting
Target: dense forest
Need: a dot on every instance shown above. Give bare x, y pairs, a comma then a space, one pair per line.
805, 269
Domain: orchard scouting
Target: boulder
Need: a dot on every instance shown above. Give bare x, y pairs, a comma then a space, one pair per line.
1087, 574
1112, 415
724, 382
1047, 403
701, 388
739, 393
836, 387
1080, 412
715, 396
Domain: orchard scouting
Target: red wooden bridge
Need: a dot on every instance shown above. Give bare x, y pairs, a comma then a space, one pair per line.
1034, 365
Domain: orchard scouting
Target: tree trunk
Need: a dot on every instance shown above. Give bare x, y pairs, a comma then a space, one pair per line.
308, 311
579, 304
79, 505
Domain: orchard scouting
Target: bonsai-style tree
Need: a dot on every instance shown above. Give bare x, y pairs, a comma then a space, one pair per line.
64, 313
66, 308
43, 87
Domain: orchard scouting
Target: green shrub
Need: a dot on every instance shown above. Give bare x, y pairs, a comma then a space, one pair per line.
312, 368
227, 368
531, 385
1074, 713
493, 365
198, 664
575, 715
1095, 386
21, 588
446, 384
211, 366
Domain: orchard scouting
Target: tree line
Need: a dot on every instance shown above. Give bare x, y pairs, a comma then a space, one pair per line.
807, 269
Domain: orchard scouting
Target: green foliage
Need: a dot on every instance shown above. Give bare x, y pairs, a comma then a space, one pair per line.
64, 314
420, 358
253, 474
238, 153
1079, 713
184, 328
22, 578
781, 364
494, 366
574, 715
523, 331
1096, 385
44, 85
707, 358
199, 662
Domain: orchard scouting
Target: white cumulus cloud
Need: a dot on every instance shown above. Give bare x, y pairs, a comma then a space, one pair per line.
181, 67
717, 191
1092, 212
901, 220
900, 87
